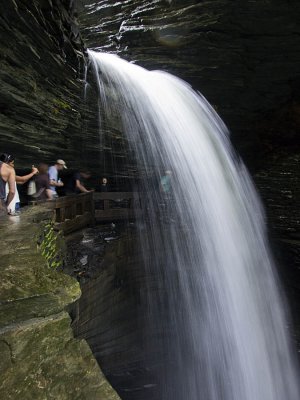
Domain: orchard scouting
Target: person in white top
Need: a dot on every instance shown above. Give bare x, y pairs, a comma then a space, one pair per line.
7, 177
14, 205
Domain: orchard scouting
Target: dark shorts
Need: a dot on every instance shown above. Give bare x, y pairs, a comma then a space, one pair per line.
3, 209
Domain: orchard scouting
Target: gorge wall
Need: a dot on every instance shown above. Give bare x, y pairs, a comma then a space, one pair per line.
42, 63
241, 55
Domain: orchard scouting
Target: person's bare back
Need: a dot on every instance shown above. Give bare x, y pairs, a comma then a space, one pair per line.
7, 175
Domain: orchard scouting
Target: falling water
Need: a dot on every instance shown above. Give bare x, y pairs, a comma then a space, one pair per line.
217, 304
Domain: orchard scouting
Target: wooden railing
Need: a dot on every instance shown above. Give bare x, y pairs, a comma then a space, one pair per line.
74, 212
114, 206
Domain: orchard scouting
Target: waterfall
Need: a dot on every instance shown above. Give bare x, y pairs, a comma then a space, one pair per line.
217, 305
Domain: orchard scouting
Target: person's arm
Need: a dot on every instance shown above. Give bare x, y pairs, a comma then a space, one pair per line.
11, 186
57, 184
80, 187
54, 183
52, 178
23, 179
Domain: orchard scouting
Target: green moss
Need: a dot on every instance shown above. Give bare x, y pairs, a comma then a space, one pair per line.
51, 245
61, 104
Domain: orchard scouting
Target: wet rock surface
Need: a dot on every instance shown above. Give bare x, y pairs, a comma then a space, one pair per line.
40, 359
279, 186
29, 289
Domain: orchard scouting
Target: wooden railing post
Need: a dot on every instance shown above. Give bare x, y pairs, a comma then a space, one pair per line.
60, 213
106, 204
74, 210
92, 208
71, 213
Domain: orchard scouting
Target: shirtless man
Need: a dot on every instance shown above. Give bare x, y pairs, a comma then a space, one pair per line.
7, 175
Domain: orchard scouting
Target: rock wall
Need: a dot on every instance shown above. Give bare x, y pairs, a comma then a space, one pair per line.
40, 359
278, 182
243, 56
42, 63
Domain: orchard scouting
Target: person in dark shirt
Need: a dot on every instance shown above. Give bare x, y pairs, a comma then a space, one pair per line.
75, 185
42, 183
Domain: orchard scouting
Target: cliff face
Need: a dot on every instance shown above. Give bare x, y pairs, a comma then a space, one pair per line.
243, 57
40, 91
40, 359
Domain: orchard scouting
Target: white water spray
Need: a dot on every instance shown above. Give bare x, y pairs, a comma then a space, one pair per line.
228, 334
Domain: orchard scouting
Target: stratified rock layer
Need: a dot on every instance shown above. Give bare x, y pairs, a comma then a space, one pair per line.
40, 91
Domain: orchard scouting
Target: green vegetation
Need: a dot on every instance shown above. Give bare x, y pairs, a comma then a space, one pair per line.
51, 245
61, 105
